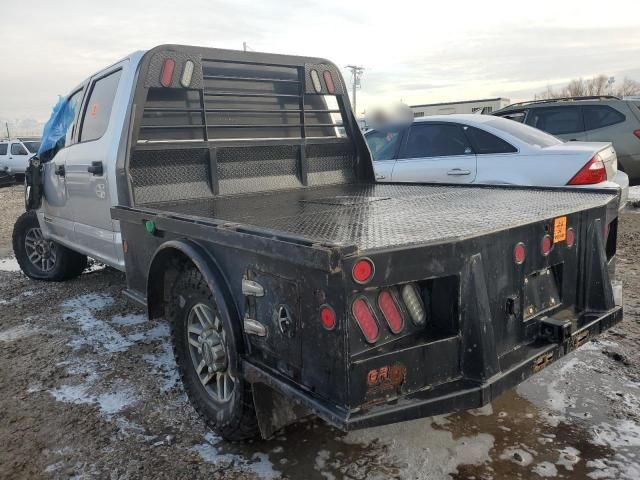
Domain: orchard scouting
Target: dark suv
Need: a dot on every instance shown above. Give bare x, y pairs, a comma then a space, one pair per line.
601, 119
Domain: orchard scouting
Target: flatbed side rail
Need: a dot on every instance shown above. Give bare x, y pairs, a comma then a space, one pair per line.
299, 250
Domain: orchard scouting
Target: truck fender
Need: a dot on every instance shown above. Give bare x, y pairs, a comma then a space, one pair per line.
164, 267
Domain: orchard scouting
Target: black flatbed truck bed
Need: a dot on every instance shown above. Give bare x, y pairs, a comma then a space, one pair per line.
467, 292
366, 217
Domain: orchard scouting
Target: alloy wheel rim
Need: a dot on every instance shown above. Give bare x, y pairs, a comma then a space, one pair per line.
41, 252
207, 348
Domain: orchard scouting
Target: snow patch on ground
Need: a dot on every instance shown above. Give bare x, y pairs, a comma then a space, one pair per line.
517, 455
110, 403
634, 193
259, 463
163, 365
545, 469
17, 332
129, 319
9, 264
425, 452
95, 333
625, 433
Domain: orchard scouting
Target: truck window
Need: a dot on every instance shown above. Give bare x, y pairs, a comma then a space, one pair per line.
557, 121
18, 149
515, 116
98, 107
599, 116
436, 140
32, 146
3, 148
74, 105
485, 142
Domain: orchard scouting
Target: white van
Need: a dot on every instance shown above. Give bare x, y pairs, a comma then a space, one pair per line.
15, 154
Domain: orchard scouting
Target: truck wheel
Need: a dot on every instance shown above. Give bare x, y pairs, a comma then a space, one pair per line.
206, 359
43, 259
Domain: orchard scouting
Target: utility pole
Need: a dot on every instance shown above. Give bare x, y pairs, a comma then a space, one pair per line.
356, 74
6, 124
244, 46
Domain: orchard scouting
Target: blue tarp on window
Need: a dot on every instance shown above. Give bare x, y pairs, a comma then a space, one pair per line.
55, 130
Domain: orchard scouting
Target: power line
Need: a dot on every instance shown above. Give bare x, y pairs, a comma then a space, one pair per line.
356, 76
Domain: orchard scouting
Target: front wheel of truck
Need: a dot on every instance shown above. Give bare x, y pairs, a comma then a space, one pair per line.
41, 258
207, 358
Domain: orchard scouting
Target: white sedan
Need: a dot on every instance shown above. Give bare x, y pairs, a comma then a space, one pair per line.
483, 149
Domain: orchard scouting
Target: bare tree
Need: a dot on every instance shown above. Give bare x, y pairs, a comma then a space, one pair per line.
628, 87
597, 85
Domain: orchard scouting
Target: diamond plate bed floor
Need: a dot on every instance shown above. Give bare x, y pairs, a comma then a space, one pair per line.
388, 215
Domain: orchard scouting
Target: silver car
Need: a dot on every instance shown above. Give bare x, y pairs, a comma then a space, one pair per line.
482, 149
590, 119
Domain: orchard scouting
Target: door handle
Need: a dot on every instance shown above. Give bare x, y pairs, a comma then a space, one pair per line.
380, 176
95, 168
60, 170
458, 171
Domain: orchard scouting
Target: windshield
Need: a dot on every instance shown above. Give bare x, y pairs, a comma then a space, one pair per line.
32, 146
525, 133
383, 145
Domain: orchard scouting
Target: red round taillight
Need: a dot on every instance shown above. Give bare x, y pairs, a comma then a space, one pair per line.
363, 270
571, 237
328, 81
327, 317
365, 319
546, 245
519, 253
166, 76
390, 310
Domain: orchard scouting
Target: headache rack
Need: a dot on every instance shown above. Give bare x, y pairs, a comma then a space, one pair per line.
245, 122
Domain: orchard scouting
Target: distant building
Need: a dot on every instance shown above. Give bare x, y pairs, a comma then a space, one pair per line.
486, 105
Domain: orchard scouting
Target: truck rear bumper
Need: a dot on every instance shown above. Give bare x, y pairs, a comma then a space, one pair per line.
460, 394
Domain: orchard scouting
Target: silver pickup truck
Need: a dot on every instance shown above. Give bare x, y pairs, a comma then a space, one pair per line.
236, 191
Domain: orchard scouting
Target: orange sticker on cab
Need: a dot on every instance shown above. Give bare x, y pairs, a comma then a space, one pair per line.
559, 229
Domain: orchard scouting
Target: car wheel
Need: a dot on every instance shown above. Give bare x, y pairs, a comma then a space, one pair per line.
41, 258
207, 358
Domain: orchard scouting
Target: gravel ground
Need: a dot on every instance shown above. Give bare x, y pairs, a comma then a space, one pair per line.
88, 389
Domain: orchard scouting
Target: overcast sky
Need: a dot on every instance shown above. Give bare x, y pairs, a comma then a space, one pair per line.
417, 52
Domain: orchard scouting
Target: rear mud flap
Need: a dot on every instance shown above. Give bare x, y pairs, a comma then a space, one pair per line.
480, 357
274, 410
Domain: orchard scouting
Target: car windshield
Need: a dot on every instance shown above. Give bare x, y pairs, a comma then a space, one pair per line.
32, 146
525, 133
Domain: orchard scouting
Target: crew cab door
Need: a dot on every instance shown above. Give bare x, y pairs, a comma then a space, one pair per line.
87, 164
435, 152
57, 215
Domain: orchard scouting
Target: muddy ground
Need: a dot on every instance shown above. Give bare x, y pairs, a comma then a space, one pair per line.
88, 389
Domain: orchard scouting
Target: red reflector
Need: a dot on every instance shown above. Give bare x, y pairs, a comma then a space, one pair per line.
328, 80
363, 270
391, 312
328, 317
166, 77
365, 319
571, 237
637, 133
519, 253
593, 172
546, 245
